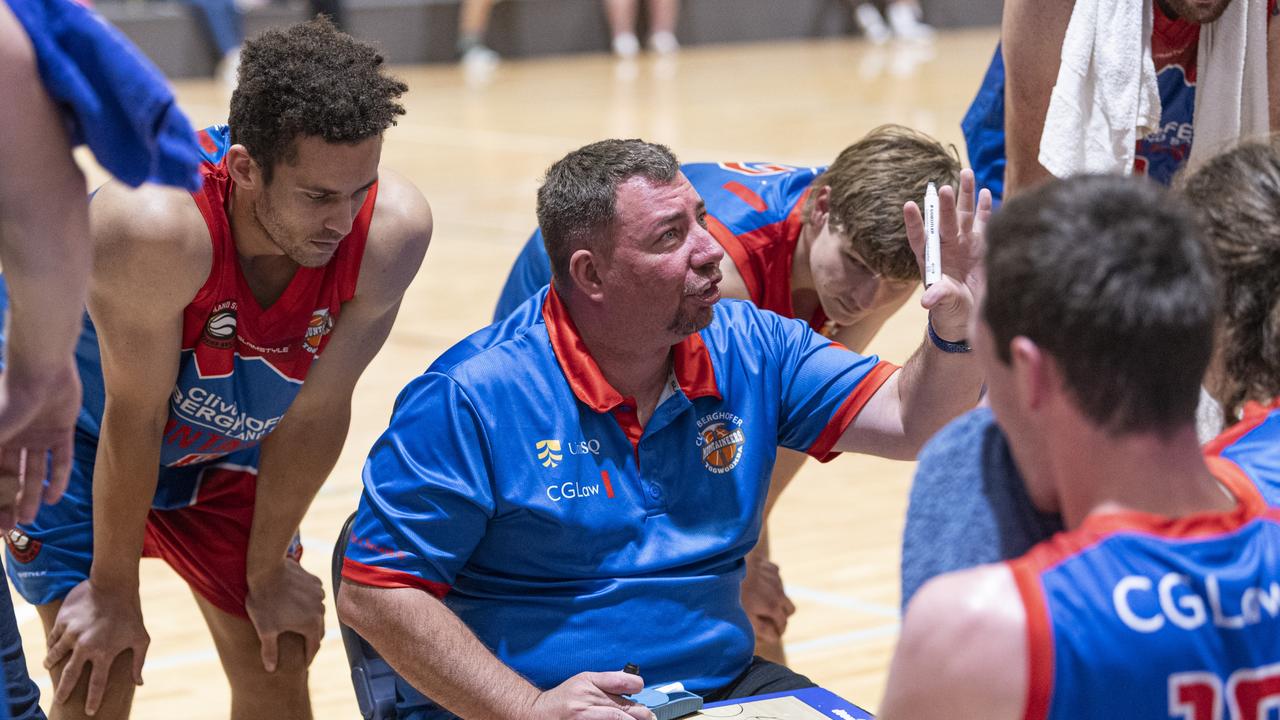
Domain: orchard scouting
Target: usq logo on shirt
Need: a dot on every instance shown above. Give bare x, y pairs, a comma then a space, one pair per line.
721, 440
549, 452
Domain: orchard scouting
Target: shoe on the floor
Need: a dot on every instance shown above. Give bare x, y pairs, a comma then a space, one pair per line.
871, 24
905, 20
626, 45
664, 43
479, 56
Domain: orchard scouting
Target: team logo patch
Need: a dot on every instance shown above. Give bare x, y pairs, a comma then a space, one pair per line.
220, 328
320, 324
22, 546
721, 440
549, 452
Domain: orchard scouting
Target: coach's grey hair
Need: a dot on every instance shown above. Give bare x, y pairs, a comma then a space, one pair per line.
577, 200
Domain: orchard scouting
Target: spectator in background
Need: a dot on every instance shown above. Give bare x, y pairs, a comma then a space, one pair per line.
473, 23
662, 26
226, 30
904, 16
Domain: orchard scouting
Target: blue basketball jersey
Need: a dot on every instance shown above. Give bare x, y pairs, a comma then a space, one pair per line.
1133, 615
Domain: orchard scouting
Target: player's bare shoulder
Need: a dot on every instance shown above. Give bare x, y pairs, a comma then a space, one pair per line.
399, 234
966, 633
152, 240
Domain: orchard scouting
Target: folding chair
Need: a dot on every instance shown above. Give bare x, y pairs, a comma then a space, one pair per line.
372, 677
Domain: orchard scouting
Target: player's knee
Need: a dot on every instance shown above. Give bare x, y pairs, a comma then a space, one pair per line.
249, 676
115, 700
291, 662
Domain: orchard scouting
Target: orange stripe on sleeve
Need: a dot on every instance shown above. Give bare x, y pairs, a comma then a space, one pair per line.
374, 576
821, 448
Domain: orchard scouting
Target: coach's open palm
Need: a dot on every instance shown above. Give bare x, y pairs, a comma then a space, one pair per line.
93, 627
289, 599
961, 231
592, 696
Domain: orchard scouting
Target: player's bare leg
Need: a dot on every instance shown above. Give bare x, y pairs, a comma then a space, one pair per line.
622, 26
763, 595
116, 700
256, 693
662, 25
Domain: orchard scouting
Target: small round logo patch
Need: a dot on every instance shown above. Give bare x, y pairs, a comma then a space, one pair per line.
220, 328
721, 442
22, 546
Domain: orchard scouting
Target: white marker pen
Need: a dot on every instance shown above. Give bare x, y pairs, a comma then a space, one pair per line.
932, 245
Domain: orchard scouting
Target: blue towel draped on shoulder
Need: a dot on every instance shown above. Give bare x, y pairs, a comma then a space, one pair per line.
114, 99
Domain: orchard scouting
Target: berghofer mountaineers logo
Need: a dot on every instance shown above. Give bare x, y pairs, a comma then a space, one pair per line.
721, 439
549, 452
320, 324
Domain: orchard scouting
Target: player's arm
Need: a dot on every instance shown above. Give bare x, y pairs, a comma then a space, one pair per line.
434, 651
933, 386
151, 255
299, 454
1031, 34
44, 226
962, 652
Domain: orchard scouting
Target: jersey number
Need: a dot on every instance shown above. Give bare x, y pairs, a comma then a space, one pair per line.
1250, 694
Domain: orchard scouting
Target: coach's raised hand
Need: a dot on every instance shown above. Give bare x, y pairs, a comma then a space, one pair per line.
961, 228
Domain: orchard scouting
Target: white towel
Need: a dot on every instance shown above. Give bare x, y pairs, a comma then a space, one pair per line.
1106, 96
1231, 87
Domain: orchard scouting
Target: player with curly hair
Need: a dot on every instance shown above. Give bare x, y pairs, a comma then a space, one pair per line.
207, 427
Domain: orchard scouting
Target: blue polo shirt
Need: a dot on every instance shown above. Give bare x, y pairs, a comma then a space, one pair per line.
516, 484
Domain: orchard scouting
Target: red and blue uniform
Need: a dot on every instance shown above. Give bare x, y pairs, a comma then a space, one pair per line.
1174, 47
1139, 616
754, 210
517, 485
240, 368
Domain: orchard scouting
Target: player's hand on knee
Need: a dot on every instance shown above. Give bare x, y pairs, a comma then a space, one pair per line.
37, 430
592, 696
962, 226
286, 599
765, 600
92, 628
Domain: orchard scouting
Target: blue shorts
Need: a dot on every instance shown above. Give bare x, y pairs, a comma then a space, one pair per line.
199, 524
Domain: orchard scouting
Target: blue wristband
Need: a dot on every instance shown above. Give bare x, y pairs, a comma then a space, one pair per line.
945, 346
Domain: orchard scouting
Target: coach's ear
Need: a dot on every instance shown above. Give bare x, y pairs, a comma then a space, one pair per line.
1034, 373
243, 168
585, 274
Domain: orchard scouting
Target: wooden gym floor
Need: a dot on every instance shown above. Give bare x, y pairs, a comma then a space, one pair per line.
477, 147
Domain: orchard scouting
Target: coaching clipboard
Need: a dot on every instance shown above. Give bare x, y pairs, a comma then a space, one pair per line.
807, 704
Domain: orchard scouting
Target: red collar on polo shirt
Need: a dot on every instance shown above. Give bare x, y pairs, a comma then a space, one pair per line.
693, 369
